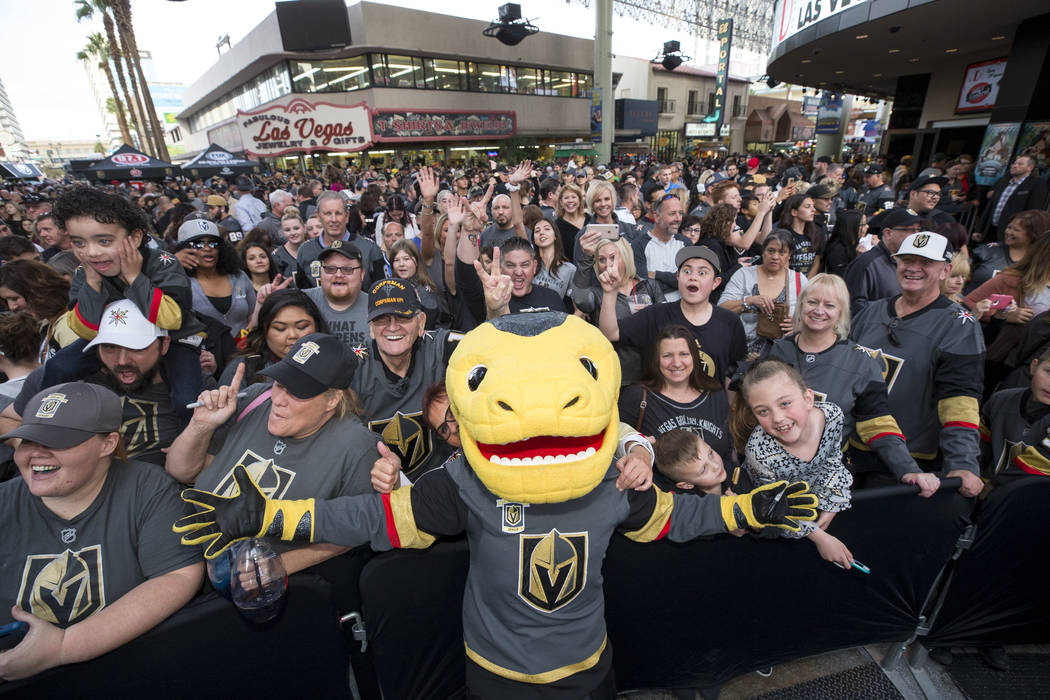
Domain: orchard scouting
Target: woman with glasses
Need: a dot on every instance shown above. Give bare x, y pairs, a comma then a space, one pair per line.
769, 289
219, 288
692, 228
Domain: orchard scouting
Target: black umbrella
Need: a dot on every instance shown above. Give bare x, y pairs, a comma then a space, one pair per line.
216, 160
128, 164
20, 171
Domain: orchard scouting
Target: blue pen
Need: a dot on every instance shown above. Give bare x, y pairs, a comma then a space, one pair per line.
860, 567
12, 627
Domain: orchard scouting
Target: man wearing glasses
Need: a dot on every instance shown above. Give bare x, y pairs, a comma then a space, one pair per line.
932, 351
339, 298
923, 197
873, 274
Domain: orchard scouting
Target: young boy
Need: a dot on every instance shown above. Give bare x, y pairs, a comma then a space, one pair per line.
687, 463
1015, 428
109, 237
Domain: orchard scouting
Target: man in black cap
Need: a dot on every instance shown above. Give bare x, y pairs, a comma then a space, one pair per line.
400, 363
820, 168
89, 557
298, 436
825, 217
339, 298
875, 194
924, 195
873, 274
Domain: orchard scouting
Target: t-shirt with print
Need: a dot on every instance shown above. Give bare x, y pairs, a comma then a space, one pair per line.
707, 416
722, 341
349, 325
64, 571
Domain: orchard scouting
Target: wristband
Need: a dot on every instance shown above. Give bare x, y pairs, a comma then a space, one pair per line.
512, 188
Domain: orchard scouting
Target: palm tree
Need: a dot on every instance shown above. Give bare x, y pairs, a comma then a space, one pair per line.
97, 50
86, 9
122, 15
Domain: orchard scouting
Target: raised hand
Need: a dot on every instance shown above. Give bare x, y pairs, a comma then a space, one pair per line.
610, 280
521, 173
218, 405
457, 209
279, 282
497, 286
427, 181
386, 471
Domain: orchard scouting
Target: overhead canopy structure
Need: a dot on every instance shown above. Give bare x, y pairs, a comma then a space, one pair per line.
216, 160
128, 164
19, 171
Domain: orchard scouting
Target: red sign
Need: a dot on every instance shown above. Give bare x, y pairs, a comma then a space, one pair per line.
449, 125
129, 159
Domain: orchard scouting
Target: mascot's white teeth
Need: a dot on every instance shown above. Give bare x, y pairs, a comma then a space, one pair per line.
548, 459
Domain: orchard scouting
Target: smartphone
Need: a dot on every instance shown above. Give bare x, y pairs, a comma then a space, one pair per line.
12, 633
604, 230
1000, 301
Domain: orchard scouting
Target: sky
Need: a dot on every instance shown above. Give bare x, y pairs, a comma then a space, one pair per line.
52, 99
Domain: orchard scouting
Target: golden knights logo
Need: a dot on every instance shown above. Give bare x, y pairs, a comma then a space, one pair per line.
552, 568
513, 516
50, 405
63, 588
406, 436
921, 240
891, 365
306, 351
272, 479
140, 429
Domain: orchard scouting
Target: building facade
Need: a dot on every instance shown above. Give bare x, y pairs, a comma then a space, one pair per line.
12, 142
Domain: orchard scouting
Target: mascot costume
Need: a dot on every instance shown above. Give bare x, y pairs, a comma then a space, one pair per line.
535, 396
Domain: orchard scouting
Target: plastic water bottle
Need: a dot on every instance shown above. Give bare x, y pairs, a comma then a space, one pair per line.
258, 581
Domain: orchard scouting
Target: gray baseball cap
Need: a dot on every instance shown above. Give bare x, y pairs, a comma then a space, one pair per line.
66, 415
192, 229
697, 251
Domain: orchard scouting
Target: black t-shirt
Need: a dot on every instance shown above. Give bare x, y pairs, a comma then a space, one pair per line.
723, 343
707, 416
472, 298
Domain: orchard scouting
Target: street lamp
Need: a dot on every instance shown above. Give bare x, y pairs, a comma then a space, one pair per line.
510, 28
671, 57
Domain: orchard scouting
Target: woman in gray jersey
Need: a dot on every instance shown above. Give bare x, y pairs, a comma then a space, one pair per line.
840, 373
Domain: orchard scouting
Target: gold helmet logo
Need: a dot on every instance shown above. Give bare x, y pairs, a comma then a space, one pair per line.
49, 406
921, 240
306, 351
553, 568
63, 588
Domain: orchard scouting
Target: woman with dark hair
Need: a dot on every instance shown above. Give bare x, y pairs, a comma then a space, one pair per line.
406, 262
218, 287
178, 216
1023, 229
676, 392
284, 316
554, 270
797, 218
397, 210
850, 227
28, 285
715, 229
20, 338
258, 265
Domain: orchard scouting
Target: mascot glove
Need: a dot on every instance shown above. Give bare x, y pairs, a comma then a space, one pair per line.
220, 521
778, 504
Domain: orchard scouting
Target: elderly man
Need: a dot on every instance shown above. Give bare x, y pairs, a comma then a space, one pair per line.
92, 562
271, 220
1018, 192
932, 352
331, 210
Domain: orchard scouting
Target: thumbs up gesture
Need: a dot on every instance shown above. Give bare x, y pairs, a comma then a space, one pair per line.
386, 471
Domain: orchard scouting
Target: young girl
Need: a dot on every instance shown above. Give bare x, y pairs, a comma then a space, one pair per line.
406, 263
958, 276
286, 255
798, 440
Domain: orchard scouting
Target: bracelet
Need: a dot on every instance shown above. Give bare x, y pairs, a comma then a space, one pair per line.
427, 208
512, 188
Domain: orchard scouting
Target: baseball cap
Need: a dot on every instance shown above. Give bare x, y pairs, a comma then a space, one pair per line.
926, 244
897, 217
820, 192
697, 251
457, 174
824, 159
475, 191
65, 415
921, 182
343, 248
873, 169
939, 156
316, 363
393, 296
193, 229
124, 325
752, 162
215, 200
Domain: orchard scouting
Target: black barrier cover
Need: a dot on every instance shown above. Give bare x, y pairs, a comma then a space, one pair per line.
998, 593
207, 650
697, 614
413, 610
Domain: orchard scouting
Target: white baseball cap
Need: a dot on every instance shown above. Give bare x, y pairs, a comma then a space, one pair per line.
124, 325
926, 244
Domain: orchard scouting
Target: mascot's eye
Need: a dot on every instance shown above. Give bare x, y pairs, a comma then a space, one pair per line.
588, 365
474, 377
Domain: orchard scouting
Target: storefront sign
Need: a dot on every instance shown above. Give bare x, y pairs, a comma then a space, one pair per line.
403, 125
980, 86
792, 16
725, 42
699, 130
638, 115
302, 126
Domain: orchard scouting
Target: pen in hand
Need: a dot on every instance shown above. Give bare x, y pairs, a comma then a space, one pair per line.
198, 404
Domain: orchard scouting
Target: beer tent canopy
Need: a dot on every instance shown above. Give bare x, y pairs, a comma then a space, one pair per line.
216, 160
128, 164
19, 171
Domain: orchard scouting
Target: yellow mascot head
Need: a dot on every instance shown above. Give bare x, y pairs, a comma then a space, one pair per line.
535, 396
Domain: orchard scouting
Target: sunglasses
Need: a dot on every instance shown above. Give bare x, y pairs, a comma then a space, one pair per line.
345, 269
891, 334
201, 245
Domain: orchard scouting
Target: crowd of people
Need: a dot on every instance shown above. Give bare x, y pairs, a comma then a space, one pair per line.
775, 318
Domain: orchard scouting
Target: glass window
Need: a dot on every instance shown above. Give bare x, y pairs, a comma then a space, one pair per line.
583, 85
563, 83
509, 78
379, 72
485, 77
528, 80
443, 74
404, 72
340, 75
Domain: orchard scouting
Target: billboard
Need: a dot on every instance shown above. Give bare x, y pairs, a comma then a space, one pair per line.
792, 16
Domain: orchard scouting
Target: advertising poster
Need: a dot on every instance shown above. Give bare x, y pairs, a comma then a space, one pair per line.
596, 115
829, 114
980, 86
1035, 142
994, 156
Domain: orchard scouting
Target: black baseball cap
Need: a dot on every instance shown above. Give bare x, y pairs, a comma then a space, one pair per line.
820, 192
316, 363
873, 169
824, 159
921, 182
393, 296
893, 218
66, 415
345, 249
697, 251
